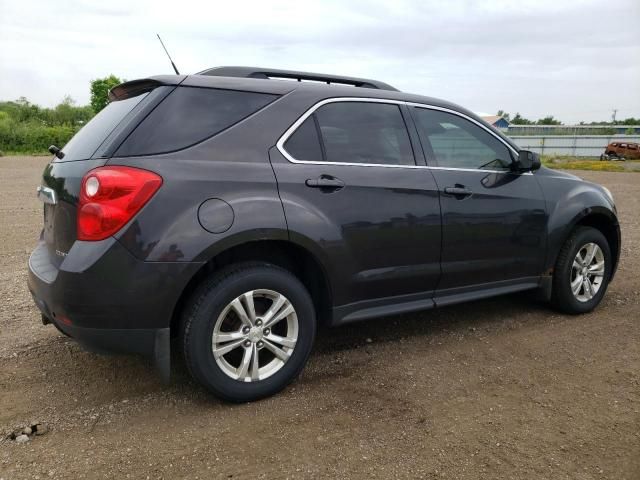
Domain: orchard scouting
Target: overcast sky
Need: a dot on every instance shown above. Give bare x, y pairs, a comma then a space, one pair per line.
576, 60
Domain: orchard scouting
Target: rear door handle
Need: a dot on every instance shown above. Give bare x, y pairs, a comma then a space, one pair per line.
325, 182
458, 191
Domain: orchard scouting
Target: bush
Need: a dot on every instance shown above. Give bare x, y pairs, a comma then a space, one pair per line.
32, 137
28, 128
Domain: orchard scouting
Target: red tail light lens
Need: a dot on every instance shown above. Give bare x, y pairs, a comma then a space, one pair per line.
110, 197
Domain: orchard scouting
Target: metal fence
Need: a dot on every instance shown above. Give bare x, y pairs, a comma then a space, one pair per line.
573, 145
513, 129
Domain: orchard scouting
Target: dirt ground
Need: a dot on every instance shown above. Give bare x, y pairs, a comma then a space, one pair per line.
501, 388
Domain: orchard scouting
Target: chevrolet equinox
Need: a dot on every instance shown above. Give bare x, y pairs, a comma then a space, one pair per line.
236, 209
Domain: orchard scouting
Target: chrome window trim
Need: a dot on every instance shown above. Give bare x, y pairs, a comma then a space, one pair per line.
285, 136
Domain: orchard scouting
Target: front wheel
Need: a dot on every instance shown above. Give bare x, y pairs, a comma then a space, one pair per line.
582, 271
248, 331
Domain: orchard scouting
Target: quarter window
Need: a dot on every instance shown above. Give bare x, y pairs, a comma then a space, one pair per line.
458, 143
190, 115
354, 132
304, 144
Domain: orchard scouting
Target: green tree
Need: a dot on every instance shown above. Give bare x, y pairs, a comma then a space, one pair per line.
549, 120
503, 114
631, 121
520, 120
100, 89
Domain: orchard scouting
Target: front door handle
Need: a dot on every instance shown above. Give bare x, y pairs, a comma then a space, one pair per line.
325, 182
458, 191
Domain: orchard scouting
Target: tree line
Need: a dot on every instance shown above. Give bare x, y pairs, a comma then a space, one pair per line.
518, 119
29, 128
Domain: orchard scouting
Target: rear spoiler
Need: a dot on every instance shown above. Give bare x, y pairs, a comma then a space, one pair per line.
136, 87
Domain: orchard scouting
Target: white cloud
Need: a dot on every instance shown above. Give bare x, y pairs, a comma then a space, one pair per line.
539, 58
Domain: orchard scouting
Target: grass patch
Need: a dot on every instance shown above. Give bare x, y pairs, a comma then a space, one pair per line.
575, 163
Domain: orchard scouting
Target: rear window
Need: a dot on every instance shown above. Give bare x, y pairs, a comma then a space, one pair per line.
83, 145
190, 115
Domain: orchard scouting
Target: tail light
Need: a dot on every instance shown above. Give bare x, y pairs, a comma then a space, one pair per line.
110, 197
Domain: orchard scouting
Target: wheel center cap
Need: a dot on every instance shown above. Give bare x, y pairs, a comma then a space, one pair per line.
255, 334
584, 271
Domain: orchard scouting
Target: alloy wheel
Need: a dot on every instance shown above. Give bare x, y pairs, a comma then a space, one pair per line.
587, 272
255, 335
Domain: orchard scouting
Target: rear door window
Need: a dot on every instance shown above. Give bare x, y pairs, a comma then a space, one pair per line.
364, 132
190, 115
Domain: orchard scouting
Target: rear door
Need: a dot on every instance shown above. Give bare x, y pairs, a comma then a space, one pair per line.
633, 152
354, 194
493, 220
621, 150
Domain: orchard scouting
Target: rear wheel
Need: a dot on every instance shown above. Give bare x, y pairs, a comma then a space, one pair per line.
249, 331
582, 271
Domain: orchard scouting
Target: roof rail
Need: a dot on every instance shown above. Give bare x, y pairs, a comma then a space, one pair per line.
256, 72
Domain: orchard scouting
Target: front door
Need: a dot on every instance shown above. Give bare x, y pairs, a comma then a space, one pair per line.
493, 219
353, 194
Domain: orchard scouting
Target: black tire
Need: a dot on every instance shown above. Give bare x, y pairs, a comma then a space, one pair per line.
208, 302
561, 296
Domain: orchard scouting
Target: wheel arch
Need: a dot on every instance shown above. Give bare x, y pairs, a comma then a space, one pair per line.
289, 255
600, 218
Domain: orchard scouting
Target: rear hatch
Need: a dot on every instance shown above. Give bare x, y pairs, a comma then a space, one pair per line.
90, 148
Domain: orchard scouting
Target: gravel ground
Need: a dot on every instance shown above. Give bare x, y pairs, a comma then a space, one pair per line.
501, 388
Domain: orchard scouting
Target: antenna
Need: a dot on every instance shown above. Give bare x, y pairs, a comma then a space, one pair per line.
165, 51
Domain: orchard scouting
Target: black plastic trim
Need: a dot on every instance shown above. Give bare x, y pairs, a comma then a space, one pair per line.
274, 73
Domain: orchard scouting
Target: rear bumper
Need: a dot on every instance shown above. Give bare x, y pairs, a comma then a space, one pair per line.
108, 300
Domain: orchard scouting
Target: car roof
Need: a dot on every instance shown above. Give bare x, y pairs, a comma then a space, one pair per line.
336, 86
323, 91
282, 87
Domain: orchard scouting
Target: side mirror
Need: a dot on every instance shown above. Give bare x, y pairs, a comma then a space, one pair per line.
527, 161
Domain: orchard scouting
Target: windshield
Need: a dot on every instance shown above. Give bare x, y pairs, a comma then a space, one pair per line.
84, 144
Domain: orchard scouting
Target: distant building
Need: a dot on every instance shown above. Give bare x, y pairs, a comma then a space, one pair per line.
496, 121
